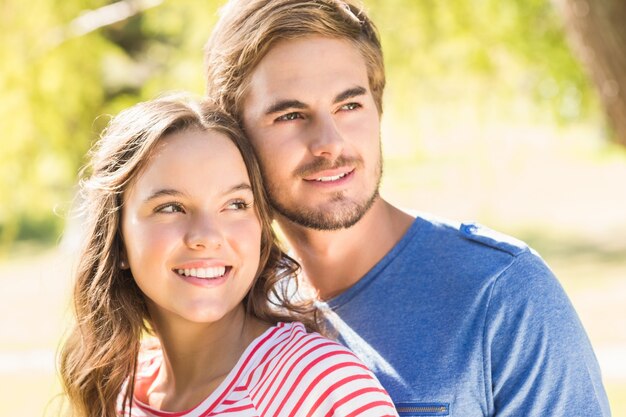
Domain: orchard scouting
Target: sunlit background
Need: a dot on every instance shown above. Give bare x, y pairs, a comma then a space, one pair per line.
489, 116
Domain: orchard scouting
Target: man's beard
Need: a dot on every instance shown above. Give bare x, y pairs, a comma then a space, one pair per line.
341, 216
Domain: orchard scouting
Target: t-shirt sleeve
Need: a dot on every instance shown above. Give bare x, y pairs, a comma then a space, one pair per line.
537, 353
331, 381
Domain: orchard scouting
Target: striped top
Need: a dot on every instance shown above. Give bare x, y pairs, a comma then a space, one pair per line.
285, 372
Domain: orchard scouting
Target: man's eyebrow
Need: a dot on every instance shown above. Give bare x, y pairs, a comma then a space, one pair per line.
283, 105
349, 93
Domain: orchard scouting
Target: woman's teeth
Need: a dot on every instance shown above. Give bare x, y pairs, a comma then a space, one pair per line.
209, 273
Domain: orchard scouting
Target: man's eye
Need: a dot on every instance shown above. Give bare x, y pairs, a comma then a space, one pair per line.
350, 106
170, 208
289, 116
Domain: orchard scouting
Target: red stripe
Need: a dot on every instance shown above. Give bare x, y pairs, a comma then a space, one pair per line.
283, 360
235, 409
284, 345
229, 402
271, 366
330, 390
277, 343
368, 407
284, 375
355, 394
304, 371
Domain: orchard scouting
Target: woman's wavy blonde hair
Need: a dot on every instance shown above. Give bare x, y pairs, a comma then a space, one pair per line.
248, 29
100, 354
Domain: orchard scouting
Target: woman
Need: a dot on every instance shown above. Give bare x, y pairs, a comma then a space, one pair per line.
179, 245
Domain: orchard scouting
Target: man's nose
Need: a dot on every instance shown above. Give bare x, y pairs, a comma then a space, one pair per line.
326, 140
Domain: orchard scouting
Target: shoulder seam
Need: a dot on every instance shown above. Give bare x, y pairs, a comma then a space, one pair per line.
513, 247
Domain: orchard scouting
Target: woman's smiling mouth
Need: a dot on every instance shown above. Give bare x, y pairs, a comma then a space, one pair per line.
204, 273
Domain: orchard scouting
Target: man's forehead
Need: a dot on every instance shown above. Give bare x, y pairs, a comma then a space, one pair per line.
299, 52
296, 68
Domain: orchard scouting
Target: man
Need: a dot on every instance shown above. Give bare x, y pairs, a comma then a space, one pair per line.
453, 319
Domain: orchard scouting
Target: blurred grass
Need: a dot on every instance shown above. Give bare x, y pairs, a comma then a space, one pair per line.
34, 315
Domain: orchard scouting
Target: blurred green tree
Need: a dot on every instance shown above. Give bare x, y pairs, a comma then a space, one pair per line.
69, 63
63, 68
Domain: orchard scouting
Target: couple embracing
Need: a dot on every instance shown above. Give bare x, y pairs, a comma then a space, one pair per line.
186, 305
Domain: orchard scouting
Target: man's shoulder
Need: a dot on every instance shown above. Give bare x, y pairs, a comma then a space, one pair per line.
483, 235
467, 251
466, 234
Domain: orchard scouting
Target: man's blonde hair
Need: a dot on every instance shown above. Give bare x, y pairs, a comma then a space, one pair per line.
247, 30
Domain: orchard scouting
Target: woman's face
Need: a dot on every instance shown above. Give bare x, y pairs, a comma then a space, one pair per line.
191, 235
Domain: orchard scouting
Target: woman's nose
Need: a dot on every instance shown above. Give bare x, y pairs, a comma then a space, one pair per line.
204, 232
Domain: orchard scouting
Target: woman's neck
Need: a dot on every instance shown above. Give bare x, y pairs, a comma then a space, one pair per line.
198, 357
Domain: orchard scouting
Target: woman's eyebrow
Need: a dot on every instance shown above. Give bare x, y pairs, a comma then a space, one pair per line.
238, 187
169, 192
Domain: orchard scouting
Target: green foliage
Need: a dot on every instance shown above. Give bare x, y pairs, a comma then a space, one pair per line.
57, 82
475, 51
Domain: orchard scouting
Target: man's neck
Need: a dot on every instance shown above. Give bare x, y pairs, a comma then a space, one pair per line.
335, 260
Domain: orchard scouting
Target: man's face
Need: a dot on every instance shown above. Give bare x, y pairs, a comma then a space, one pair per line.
311, 117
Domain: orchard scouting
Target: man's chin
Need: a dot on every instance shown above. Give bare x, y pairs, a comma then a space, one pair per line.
331, 217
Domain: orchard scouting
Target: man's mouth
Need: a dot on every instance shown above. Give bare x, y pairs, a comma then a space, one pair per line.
333, 178
204, 273
329, 176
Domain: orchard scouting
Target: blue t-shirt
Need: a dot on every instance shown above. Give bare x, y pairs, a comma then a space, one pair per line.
463, 321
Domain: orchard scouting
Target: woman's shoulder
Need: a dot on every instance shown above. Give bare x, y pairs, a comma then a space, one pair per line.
291, 353
309, 373
294, 341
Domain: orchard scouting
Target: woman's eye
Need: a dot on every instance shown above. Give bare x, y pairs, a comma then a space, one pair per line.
170, 208
238, 205
350, 106
289, 116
